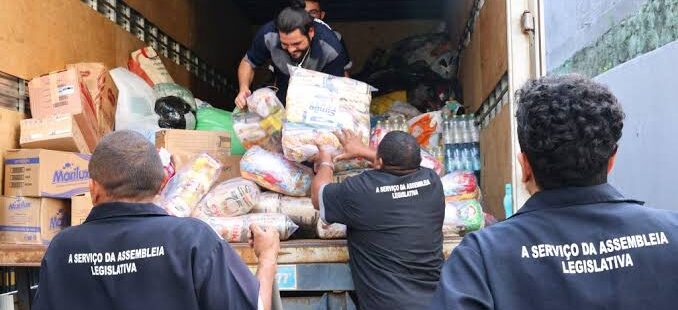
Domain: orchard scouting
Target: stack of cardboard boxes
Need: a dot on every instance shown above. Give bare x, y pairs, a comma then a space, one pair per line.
71, 110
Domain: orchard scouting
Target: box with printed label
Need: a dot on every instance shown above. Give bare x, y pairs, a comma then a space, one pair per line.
43, 173
64, 92
81, 205
101, 87
59, 133
32, 220
9, 131
184, 145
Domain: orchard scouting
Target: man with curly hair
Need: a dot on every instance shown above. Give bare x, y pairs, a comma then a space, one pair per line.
577, 243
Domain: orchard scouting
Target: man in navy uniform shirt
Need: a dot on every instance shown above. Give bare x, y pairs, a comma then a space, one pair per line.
394, 216
577, 243
129, 254
296, 39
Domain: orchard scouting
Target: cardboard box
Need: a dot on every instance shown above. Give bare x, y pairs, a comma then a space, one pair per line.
9, 133
104, 93
81, 205
63, 92
32, 220
59, 133
184, 145
43, 173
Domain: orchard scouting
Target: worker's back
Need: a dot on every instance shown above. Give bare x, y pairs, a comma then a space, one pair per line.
576, 248
134, 256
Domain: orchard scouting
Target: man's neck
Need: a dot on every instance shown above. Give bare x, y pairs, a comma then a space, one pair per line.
126, 200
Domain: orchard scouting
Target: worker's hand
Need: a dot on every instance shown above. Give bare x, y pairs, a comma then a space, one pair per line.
265, 242
241, 99
324, 155
353, 145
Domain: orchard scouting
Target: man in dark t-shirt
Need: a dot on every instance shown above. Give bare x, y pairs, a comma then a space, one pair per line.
394, 215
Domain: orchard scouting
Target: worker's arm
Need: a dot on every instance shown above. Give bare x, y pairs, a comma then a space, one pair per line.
354, 147
324, 172
245, 78
463, 281
266, 244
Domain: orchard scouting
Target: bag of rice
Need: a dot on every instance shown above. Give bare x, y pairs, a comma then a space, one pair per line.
269, 202
237, 229
231, 198
331, 231
273, 172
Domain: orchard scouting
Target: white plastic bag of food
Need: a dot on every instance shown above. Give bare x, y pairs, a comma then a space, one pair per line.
231, 198
136, 102
183, 192
264, 102
331, 231
253, 130
269, 202
462, 217
319, 104
237, 229
273, 172
426, 128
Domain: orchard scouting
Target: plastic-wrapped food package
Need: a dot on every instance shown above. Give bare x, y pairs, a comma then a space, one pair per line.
431, 162
237, 229
231, 198
213, 119
269, 202
183, 192
341, 176
175, 113
405, 109
251, 129
331, 231
135, 104
426, 128
462, 217
383, 103
301, 212
174, 90
273, 172
264, 102
167, 165
460, 185
319, 104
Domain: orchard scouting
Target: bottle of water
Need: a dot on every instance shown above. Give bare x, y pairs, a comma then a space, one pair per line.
448, 146
475, 147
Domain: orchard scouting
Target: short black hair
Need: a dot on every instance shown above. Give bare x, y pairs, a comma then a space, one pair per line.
294, 17
127, 166
399, 149
569, 127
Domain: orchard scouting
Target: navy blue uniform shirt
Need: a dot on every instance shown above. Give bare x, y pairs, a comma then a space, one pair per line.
326, 54
394, 232
575, 248
135, 256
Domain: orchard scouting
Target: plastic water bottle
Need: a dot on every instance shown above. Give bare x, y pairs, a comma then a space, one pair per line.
508, 200
475, 147
448, 147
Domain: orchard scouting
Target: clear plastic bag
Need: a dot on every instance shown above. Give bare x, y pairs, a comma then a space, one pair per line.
188, 186
319, 104
264, 102
273, 172
460, 185
253, 130
431, 162
426, 128
237, 229
269, 202
331, 231
135, 104
462, 217
231, 198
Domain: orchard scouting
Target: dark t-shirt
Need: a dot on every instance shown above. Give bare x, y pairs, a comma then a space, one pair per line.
327, 54
394, 235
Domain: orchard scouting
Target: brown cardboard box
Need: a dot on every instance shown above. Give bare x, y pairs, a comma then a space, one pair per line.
43, 173
64, 93
59, 133
81, 205
32, 220
103, 91
184, 145
9, 134
231, 168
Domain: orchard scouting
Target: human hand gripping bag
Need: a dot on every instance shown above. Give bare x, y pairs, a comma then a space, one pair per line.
318, 105
188, 186
234, 197
273, 172
237, 229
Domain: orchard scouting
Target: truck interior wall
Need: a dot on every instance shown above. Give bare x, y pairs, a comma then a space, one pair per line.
37, 37
482, 64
